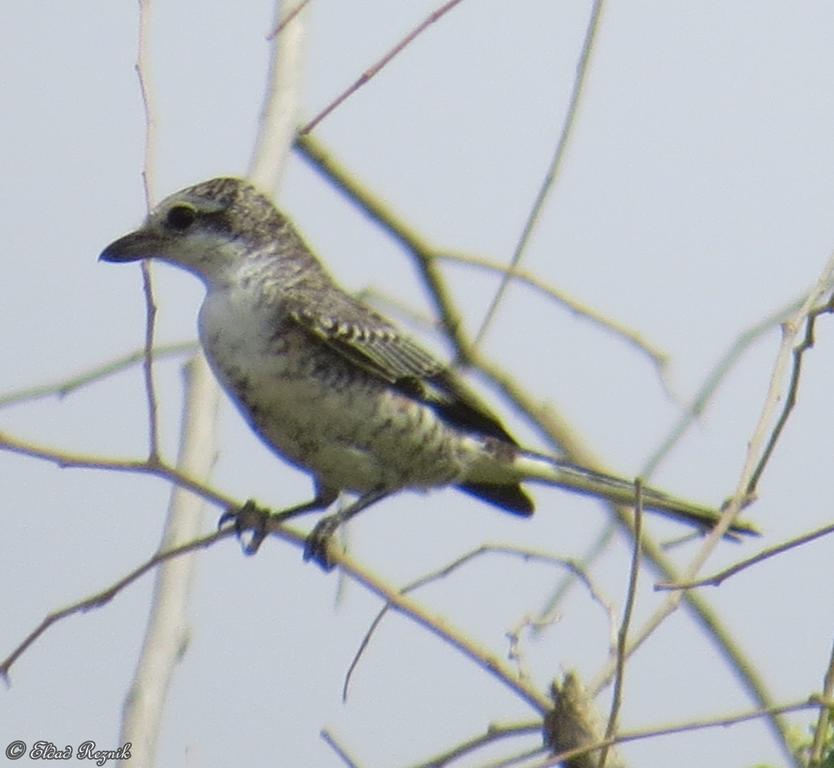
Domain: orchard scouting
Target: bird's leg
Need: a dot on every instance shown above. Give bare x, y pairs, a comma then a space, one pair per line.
318, 541
260, 520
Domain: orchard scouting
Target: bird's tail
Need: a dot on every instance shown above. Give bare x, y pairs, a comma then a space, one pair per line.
540, 468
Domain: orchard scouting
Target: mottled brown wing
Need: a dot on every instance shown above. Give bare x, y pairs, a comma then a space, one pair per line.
368, 340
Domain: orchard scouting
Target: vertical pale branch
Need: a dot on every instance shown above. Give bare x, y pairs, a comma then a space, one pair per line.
281, 101
167, 632
166, 635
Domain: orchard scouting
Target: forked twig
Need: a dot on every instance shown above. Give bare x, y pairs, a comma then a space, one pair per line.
793, 387
717, 578
449, 568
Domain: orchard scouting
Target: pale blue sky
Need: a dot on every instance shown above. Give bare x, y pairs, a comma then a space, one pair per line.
696, 197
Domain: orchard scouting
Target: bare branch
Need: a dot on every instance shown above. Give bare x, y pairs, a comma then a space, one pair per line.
143, 72
69, 385
755, 451
790, 401
375, 68
717, 578
622, 635
314, 152
823, 731
492, 734
555, 163
657, 356
449, 568
340, 751
281, 98
555, 428
692, 725
287, 17
375, 584
106, 595
166, 634
397, 600
516, 652
147, 364
135, 466
714, 379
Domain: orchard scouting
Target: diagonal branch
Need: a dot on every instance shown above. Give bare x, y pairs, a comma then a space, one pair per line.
555, 163
375, 68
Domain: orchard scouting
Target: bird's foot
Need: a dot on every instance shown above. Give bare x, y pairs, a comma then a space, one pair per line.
250, 518
320, 541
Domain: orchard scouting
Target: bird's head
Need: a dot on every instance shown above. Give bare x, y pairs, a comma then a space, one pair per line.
206, 229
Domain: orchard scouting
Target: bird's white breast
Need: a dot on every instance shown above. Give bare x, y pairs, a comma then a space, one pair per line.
318, 410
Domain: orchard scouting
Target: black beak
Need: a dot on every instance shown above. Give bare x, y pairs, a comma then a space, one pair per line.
133, 247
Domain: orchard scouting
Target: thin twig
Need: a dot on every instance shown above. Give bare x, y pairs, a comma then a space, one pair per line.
158, 468
278, 118
717, 578
793, 387
622, 635
658, 357
458, 562
493, 733
517, 760
345, 181
104, 596
443, 629
340, 751
147, 362
556, 429
755, 450
692, 412
375, 68
555, 163
822, 735
397, 601
714, 379
692, 725
516, 652
586, 562
143, 73
286, 19
67, 386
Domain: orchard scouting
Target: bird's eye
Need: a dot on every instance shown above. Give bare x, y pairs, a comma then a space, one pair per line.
180, 217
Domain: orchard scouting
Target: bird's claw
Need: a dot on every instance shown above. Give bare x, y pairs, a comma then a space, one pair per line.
248, 518
319, 541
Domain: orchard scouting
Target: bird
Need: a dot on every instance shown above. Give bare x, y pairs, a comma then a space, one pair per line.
332, 386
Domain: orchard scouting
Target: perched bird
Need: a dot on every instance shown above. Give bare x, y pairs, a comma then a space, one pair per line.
332, 386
